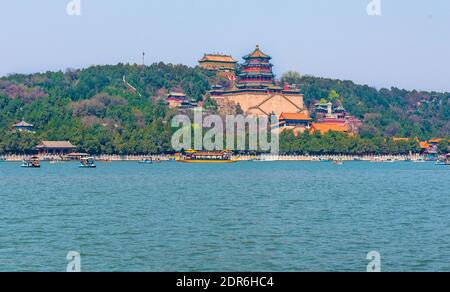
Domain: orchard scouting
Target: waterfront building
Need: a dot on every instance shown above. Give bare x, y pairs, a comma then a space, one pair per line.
23, 127
55, 147
430, 149
257, 92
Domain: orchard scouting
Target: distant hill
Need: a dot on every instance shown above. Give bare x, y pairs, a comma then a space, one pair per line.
96, 110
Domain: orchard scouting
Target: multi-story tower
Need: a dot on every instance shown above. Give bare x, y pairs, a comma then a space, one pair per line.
256, 72
257, 93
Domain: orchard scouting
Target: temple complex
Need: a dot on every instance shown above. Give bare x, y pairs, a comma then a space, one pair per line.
335, 119
256, 91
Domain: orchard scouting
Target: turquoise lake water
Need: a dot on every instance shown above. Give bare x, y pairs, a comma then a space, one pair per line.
250, 216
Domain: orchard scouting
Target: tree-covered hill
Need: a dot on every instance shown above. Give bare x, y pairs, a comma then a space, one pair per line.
102, 109
386, 112
120, 109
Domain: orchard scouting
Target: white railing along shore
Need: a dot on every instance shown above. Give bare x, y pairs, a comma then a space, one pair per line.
18, 158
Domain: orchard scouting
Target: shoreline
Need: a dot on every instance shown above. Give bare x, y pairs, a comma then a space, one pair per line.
265, 157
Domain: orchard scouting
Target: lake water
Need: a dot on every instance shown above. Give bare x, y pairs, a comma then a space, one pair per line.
250, 216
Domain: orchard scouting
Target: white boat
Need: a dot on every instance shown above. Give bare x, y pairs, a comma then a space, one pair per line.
146, 161
88, 162
266, 159
444, 160
33, 162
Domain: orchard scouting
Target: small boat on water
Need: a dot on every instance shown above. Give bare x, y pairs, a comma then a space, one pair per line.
33, 162
266, 159
338, 162
207, 157
147, 160
444, 160
88, 162
420, 160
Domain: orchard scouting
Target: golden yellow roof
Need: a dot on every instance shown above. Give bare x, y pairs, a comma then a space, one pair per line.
218, 58
324, 128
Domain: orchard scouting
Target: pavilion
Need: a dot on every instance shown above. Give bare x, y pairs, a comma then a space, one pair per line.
55, 147
23, 127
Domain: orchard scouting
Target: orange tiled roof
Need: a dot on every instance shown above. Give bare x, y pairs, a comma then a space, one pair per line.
258, 53
424, 145
324, 128
218, 58
295, 116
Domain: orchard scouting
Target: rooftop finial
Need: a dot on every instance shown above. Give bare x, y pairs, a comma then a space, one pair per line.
257, 47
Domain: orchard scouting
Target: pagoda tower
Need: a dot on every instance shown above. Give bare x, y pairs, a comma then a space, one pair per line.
256, 72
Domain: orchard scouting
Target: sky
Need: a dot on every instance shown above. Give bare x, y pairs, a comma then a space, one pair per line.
407, 46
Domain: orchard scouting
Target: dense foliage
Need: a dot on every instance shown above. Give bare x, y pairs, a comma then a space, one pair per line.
386, 112
102, 109
119, 109
339, 143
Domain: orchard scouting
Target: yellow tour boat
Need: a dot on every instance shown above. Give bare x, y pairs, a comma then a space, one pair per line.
193, 156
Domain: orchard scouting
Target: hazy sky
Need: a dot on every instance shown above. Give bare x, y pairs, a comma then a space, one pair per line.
407, 46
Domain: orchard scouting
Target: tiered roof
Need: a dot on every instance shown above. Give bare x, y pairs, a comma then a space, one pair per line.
257, 53
256, 72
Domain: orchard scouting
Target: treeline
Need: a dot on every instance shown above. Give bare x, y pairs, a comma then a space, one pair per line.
340, 143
